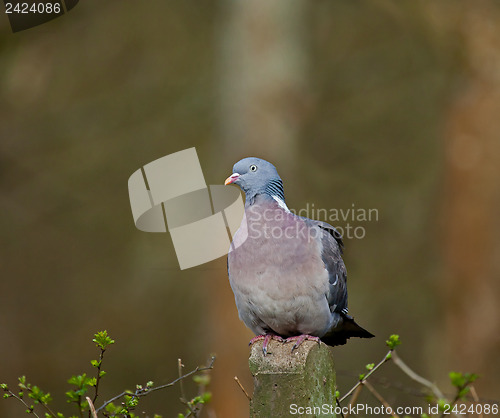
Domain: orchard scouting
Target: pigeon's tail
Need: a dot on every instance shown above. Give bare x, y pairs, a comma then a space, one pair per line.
348, 329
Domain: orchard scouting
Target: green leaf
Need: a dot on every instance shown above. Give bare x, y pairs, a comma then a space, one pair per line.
202, 380
393, 341
95, 363
196, 400
39, 396
72, 396
461, 381
102, 340
22, 383
457, 379
111, 408
443, 405
370, 366
462, 392
82, 381
131, 401
4, 386
206, 397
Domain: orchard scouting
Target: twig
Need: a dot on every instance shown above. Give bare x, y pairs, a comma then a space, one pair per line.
183, 398
91, 406
79, 403
179, 368
424, 382
386, 358
421, 393
145, 391
381, 399
44, 405
98, 378
476, 398
354, 398
23, 402
242, 388
340, 408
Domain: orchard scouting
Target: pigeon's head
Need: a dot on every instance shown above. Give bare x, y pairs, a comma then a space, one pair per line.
254, 176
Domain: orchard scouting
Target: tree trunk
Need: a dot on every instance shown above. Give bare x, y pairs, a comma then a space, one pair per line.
472, 202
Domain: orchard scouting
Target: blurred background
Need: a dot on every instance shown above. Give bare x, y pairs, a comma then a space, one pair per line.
380, 104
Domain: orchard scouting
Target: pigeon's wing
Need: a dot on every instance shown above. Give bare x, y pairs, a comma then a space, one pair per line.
333, 232
331, 254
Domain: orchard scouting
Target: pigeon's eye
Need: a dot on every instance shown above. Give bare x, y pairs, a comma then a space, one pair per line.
253, 167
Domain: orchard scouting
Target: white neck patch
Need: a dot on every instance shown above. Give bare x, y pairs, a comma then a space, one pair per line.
281, 204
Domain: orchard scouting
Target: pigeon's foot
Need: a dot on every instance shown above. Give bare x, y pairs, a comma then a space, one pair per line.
299, 339
266, 338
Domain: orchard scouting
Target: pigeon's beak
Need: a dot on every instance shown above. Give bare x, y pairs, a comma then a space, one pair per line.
232, 178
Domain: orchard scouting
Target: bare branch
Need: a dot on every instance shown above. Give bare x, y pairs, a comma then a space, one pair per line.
354, 398
380, 399
424, 382
12, 394
242, 388
476, 398
386, 358
145, 391
91, 406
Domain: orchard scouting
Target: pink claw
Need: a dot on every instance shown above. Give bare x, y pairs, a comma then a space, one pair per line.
299, 339
267, 338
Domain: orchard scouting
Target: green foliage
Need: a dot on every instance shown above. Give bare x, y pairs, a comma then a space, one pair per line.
461, 381
202, 379
368, 367
39, 396
393, 341
83, 384
102, 340
443, 406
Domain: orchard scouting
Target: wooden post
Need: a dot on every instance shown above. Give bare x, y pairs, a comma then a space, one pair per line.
286, 381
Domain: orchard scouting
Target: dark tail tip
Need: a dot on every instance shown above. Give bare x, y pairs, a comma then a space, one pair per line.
349, 329
354, 330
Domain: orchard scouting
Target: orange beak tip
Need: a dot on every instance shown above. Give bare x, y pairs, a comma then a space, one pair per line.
231, 179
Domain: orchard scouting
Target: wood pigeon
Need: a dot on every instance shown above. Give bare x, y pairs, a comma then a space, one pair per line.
286, 271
